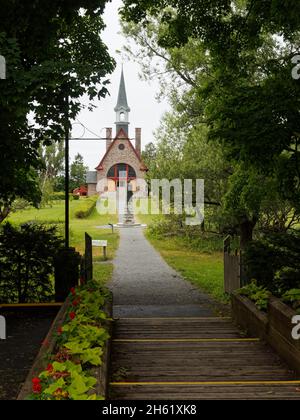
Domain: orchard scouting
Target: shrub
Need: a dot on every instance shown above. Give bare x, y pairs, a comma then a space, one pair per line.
57, 196
257, 294
20, 204
274, 261
292, 298
193, 237
26, 263
86, 207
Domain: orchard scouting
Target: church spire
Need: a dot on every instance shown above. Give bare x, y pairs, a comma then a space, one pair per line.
122, 109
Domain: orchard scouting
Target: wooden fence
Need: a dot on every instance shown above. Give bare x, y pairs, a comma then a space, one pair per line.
87, 260
232, 267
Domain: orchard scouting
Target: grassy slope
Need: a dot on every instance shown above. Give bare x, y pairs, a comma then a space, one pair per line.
102, 272
203, 269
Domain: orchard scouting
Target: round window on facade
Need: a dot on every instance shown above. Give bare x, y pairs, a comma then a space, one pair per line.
121, 147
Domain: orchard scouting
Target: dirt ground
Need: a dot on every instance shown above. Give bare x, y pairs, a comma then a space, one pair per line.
25, 333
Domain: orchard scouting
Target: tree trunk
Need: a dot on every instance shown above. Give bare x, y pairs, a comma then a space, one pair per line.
246, 231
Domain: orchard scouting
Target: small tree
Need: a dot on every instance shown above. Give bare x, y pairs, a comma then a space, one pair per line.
26, 263
78, 173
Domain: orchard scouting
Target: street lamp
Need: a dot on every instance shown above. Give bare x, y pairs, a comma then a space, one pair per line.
67, 174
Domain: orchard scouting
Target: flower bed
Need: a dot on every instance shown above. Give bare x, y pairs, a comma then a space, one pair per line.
68, 365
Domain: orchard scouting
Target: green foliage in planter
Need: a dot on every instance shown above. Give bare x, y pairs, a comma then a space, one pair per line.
274, 261
79, 348
257, 294
292, 298
86, 207
26, 262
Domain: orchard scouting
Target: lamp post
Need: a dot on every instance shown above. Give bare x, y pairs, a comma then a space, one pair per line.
67, 175
67, 261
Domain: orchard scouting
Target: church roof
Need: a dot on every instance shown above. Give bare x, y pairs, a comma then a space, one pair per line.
91, 177
122, 135
122, 97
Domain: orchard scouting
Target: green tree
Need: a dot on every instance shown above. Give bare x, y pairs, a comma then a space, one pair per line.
242, 89
53, 50
78, 173
53, 159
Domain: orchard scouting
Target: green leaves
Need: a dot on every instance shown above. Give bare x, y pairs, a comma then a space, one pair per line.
257, 294
79, 348
292, 297
51, 51
86, 354
26, 263
80, 385
56, 385
74, 385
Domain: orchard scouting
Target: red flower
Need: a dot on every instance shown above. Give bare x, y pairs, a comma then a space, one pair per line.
75, 303
37, 389
60, 331
50, 368
72, 316
73, 291
36, 386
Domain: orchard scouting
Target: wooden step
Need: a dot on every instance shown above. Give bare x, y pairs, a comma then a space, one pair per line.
194, 358
206, 392
157, 328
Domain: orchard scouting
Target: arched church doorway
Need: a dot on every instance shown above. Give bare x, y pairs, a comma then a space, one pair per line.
123, 175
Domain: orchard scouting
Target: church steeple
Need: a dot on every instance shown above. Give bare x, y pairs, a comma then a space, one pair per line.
122, 109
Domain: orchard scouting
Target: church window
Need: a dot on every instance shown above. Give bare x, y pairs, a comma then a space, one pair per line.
121, 171
121, 147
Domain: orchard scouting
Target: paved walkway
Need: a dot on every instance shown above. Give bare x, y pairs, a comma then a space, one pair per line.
145, 286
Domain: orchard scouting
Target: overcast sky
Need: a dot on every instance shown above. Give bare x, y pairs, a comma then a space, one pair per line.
146, 112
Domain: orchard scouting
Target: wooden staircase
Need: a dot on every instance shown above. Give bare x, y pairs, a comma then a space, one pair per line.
194, 359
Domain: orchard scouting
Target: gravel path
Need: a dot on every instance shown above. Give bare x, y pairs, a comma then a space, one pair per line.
145, 286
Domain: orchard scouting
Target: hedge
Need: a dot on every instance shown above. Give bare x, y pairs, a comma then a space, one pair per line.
86, 207
57, 196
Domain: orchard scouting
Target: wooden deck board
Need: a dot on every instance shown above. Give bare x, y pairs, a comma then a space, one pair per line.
194, 359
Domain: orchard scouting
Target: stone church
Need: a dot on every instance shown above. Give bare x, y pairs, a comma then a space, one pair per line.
122, 162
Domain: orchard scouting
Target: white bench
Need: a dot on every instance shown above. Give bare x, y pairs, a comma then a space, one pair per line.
101, 244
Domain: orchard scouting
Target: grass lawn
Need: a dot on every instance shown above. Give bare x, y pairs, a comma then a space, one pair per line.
78, 227
203, 269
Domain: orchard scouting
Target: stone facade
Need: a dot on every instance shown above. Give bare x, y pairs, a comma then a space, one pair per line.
120, 151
